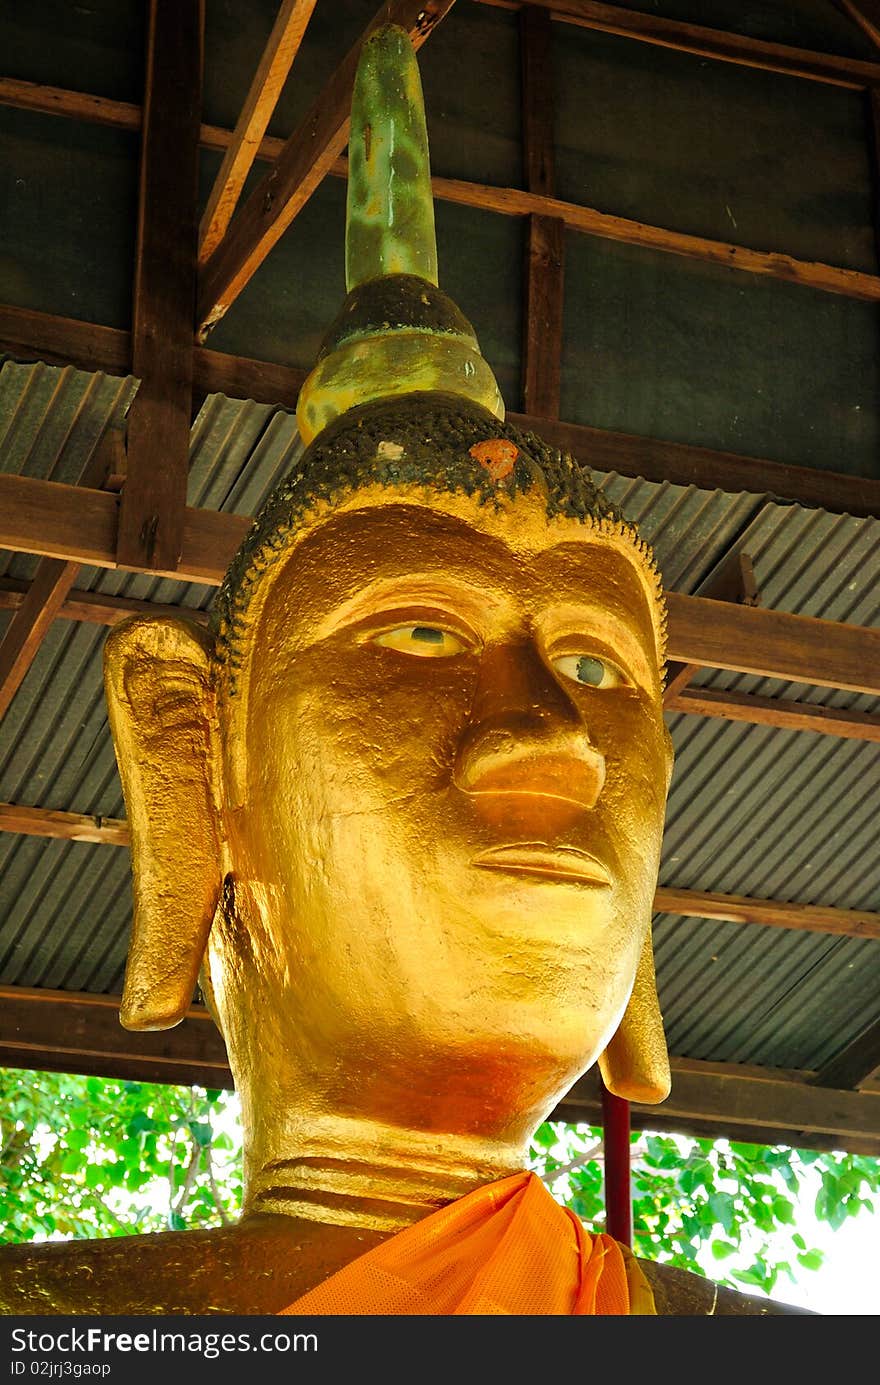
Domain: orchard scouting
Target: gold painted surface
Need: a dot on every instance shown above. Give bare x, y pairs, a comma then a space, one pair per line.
432, 856
405, 813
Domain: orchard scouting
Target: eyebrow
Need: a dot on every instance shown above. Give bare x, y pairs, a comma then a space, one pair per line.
409, 588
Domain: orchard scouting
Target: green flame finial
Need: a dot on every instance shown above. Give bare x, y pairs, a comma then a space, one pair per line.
390, 209
397, 333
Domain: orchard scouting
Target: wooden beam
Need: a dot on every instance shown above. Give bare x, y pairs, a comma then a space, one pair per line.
873, 120
866, 14
733, 579
735, 1101
94, 607
24, 635
261, 100
811, 918
68, 827
708, 43
545, 236
768, 913
67, 1031
685, 465
48, 589
70, 522
855, 1063
306, 159
154, 493
519, 202
850, 283
774, 711
799, 649
31, 335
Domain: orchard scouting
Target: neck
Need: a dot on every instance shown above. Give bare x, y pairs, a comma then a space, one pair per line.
354, 1171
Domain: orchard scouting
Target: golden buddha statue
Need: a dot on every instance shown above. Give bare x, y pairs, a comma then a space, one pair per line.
401, 811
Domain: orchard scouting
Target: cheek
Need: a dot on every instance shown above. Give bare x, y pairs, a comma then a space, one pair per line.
368, 728
634, 745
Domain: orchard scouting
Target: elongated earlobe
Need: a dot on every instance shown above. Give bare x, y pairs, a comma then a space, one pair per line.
157, 679
635, 1064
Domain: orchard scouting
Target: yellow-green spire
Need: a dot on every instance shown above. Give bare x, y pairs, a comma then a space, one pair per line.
397, 333
390, 209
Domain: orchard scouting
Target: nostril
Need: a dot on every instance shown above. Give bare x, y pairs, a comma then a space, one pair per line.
497, 760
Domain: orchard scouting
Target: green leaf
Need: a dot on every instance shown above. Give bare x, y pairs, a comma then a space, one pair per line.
811, 1259
721, 1249
723, 1209
201, 1132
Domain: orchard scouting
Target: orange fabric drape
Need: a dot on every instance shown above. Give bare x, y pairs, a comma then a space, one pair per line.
508, 1248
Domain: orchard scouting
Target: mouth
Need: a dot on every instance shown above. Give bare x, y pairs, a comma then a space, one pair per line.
549, 862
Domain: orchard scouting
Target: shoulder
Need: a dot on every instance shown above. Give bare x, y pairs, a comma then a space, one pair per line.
115, 1275
679, 1293
258, 1265
244, 1268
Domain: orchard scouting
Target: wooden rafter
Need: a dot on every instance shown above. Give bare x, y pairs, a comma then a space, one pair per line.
855, 1063
24, 635
707, 43
32, 335
49, 588
94, 607
851, 283
739, 1102
68, 827
261, 100
154, 493
505, 202
776, 711
733, 579
64, 1031
702, 904
302, 165
864, 13
545, 236
768, 913
48, 518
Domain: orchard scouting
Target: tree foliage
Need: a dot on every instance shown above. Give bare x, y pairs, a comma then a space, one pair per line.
718, 1208
97, 1157
88, 1156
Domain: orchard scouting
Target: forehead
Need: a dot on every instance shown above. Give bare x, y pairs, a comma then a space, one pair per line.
449, 546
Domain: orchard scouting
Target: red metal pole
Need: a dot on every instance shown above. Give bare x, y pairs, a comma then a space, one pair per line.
618, 1192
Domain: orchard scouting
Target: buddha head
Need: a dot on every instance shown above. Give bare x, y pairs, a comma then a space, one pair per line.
400, 807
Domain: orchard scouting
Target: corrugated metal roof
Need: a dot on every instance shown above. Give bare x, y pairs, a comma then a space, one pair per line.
753, 809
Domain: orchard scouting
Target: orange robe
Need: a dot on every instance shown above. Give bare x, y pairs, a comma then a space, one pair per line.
507, 1248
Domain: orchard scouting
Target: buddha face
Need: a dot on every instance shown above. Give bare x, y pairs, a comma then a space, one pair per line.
447, 814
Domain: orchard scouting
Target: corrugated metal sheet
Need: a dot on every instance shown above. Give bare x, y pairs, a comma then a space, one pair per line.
753, 809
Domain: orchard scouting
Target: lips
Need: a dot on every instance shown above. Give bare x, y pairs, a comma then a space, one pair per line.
551, 862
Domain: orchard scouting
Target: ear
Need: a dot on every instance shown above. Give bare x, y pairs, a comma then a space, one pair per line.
157, 679
635, 1064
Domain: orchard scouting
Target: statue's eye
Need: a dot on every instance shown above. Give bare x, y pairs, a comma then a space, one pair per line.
590, 670
425, 641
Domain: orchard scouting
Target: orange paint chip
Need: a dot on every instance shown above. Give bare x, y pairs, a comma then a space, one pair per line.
497, 456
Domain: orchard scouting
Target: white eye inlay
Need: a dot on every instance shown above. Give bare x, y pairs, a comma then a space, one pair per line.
590, 670
425, 641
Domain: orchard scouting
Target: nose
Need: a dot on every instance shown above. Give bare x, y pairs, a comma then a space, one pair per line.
525, 735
